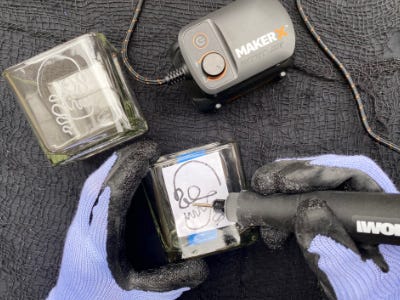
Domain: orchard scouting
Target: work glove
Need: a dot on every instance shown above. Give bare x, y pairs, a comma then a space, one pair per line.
95, 264
344, 270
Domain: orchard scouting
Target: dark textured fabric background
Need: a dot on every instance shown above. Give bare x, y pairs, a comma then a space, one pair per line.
310, 112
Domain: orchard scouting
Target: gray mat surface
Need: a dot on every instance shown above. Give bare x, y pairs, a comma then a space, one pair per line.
310, 112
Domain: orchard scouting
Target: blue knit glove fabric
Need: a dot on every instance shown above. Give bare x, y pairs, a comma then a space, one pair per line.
350, 276
84, 272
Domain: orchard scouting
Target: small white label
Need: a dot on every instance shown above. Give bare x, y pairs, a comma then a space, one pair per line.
201, 180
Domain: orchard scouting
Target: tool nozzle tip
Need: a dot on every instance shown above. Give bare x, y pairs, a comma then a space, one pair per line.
219, 205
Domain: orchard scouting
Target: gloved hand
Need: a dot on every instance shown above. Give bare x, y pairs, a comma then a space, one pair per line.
94, 263
345, 270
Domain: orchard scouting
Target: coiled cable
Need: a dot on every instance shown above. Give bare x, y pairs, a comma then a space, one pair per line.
171, 78
350, 81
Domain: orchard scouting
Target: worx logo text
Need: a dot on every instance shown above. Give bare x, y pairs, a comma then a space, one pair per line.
371, 227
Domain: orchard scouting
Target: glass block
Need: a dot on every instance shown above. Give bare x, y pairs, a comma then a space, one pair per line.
76, 98
203, 175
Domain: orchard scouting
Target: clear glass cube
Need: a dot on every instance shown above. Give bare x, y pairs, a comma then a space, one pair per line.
76, 98
202, 175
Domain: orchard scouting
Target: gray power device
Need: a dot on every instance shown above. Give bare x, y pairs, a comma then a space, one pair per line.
234, 49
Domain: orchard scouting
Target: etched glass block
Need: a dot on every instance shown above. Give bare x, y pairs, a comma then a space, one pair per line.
76, 98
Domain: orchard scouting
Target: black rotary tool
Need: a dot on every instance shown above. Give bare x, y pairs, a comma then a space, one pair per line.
369, 218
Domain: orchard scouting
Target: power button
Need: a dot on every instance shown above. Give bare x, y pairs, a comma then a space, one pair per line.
200, 40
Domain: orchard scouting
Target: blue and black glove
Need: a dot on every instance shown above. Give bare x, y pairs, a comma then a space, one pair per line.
345, 270
95, 262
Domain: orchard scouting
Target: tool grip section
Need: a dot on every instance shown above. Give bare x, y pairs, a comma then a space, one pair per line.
369, 218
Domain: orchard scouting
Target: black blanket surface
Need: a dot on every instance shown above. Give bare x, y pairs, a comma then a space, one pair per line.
310, 112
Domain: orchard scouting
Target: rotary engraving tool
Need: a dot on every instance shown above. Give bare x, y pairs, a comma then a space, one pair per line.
369, 218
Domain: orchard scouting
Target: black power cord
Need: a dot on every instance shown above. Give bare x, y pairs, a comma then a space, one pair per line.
178, 74
350, 81
171, 78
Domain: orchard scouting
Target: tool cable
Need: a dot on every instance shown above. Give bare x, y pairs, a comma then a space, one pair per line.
350, 81
171, 78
